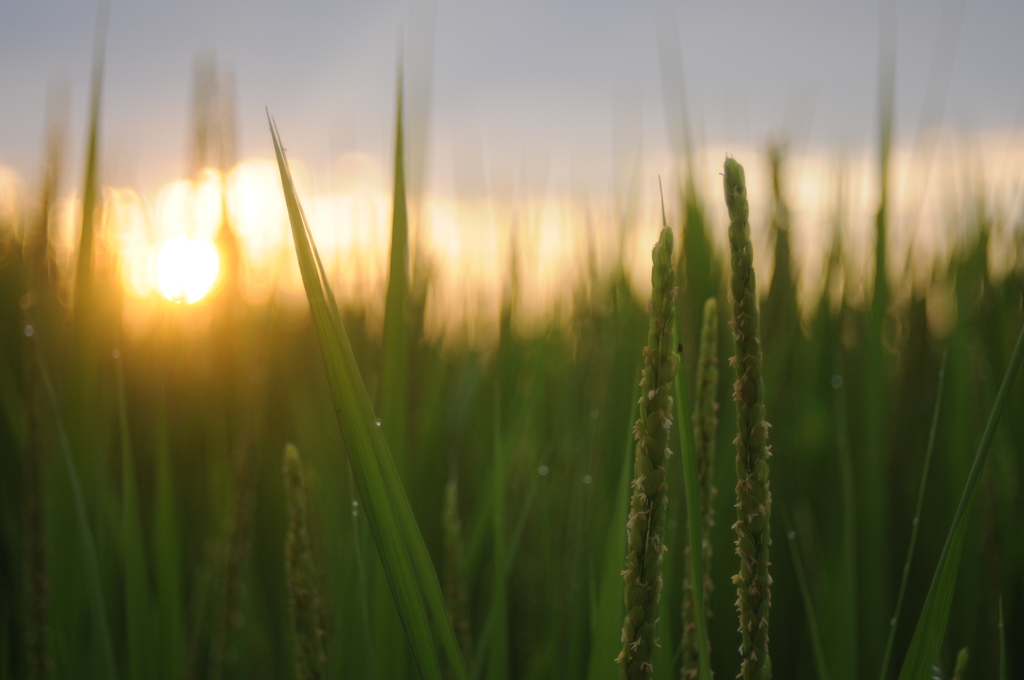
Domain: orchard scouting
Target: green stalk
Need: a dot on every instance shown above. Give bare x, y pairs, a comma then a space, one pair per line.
171, 626
915, 525
645, 529
753, 496
452, 574
873, 489
608, 609
499, 653
304, 604
805, 594
696, 646
395, 369
931, 627
90, 192
90, 561
38, 637
136, 575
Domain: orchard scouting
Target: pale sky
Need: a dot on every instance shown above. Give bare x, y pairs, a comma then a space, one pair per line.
510, 80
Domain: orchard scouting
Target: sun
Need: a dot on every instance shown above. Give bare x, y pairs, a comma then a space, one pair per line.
186, 269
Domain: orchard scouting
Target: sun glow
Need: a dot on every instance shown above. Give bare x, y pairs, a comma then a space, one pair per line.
186, 269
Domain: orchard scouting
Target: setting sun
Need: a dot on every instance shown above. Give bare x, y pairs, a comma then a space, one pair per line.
186, 269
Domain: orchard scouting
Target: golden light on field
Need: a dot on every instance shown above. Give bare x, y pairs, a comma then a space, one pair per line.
186, 269
540, 252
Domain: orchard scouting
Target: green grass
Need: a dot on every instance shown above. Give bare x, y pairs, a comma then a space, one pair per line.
138, 480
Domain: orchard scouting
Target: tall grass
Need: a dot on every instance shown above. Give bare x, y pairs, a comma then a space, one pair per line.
143, 505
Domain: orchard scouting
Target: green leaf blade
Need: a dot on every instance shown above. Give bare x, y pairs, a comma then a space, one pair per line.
931, 627
405, 557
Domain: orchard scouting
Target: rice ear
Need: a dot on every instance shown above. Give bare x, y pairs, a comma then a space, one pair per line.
753, 495
646, 524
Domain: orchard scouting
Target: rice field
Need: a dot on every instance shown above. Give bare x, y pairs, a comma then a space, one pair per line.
317, 451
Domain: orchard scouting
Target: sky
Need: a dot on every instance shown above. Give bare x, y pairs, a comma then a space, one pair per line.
555, 85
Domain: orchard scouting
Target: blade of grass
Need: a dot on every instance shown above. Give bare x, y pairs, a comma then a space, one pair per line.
171, 626
83, 270
90, 561
845, 639
931, 627
873, 480
688, 452
805, 594
510, 558
392, 522
499, 653
395, 369
138, 613
916, 523
12, 405
609, 609
38, 640
363, 593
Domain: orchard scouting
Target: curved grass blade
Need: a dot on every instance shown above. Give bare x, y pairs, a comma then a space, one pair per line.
688, 452
609, 610
138, 612
847, 636
483, 642
90, 562
931, 627
805, 593
916, 523
403, 552
498, 653
172, 652
395, 369
90, 192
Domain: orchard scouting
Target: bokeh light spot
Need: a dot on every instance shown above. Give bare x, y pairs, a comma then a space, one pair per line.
186, 269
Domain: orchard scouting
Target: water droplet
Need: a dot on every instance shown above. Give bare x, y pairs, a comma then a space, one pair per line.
26, 301
593, 414
587, 479
116, 354
792, 535
355, 504
837, 381
378, 422
29, 331
542, 470
892, 621
914, 522
355, 513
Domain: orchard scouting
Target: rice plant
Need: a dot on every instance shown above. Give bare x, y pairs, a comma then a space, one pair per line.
481, 526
